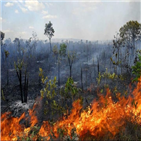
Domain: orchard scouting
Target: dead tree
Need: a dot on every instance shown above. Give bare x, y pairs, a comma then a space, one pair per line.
23, 89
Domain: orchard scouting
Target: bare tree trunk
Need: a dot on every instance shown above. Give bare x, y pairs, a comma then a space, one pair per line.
25, 88
86, 79
7, 72
104, 60
81, 79
133, 52
110, 66
39, 81
117, 62
50, 45
87, 53
121, 63
1, 56
70, 70
98, 66
58, 74
7, 77
94, 70
20, 79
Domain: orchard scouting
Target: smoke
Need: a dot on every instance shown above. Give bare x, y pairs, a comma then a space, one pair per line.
134, 11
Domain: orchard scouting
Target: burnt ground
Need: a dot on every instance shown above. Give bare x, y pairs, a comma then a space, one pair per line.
12, 96
13, 104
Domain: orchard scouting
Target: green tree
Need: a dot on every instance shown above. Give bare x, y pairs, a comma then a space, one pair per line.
19, 67
127, 37
71, 88
2, 36
49, 31
49, 91
130, 33
6, 56
59, 54
2, 46
136, 69
62, 50
18, 44
71, 57
56, 53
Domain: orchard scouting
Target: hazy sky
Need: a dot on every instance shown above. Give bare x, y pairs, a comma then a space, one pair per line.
89, 20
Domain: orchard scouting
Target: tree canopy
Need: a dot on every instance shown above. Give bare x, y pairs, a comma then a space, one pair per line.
62, 50
1, 37
49, 31
130, 32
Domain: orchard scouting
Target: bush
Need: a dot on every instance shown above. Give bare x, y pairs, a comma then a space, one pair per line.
136, 69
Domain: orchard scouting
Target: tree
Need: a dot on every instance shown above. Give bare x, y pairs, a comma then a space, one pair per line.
129, 34
6, 56
62, 50
1, 43
18, 44
71, 57
19, 67
2, 36
49, 31
59, 54
127, 37
131, 31
56, 53
136, 69
31, 45
34, 42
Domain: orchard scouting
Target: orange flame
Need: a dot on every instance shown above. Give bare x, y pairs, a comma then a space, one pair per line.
102, 117
10, 127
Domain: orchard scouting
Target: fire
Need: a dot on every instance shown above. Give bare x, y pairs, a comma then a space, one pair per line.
10, 127
102, 117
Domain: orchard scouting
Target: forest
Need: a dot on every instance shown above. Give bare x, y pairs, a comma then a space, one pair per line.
71, 90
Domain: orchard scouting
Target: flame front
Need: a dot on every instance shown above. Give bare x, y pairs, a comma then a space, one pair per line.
11, 128
103, 117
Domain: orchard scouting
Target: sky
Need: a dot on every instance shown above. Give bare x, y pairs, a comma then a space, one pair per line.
87, 20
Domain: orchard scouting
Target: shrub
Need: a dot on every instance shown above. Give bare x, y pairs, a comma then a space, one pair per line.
136, 69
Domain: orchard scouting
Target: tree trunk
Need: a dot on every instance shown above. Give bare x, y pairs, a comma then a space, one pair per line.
94, 70
133, 52
7, 72
21, 86
50, 45
81, 79
58, 74
7, 77
25, 88
70, 70
86, 79
39, 81
118, 63
110, 66
1, 56
87, 53
98, 66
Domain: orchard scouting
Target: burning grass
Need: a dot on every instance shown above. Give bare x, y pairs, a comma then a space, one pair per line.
104, 119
